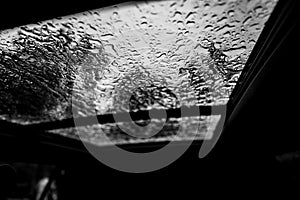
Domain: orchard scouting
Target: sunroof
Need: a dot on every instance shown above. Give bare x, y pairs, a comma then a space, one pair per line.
160, 55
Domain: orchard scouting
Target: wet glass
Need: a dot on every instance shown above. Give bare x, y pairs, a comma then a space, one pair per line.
126, 58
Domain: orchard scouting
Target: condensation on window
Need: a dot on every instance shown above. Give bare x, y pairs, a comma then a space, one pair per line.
128, 57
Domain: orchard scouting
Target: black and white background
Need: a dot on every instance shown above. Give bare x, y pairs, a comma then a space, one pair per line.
259, 146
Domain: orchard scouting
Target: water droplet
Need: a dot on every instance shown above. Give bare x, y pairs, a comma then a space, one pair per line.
107, 36
206, 6
231, 13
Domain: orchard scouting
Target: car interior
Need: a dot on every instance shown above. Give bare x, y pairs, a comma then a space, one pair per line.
234, 62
